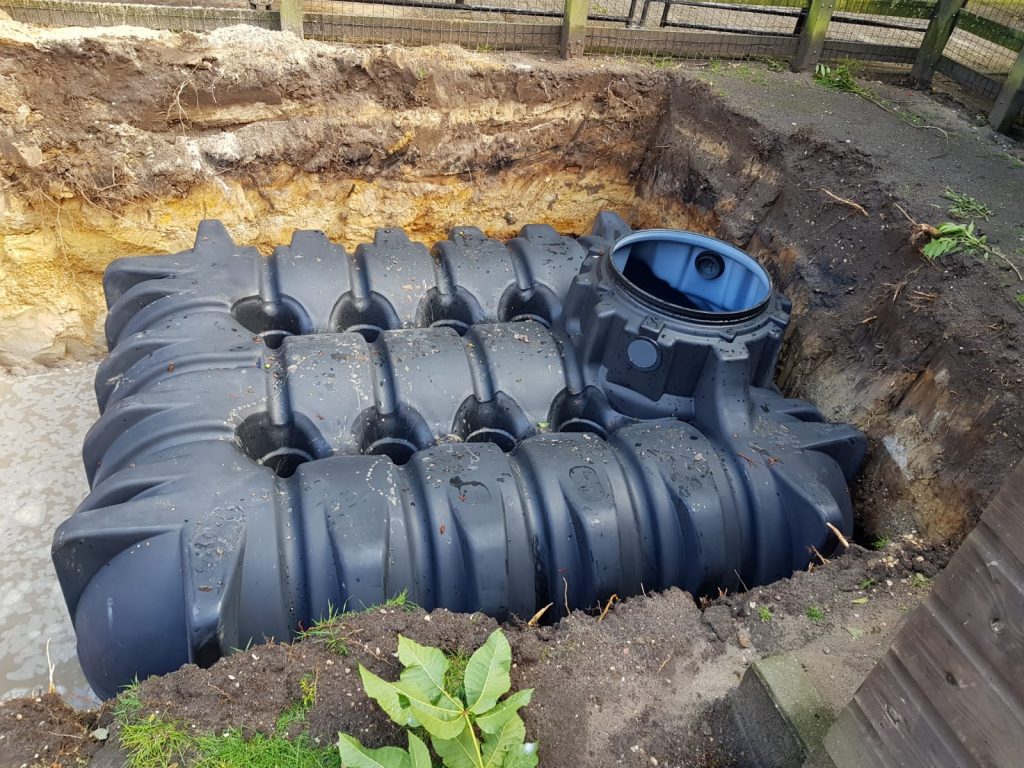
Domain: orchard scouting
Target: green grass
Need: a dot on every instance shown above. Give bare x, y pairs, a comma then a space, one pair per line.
1020, 299
232, 750
327, 630
1013, 161
297, 712
152, 742
839, 78
867, 583
815, 614
764, 614
880, 543
965, 207
454, 677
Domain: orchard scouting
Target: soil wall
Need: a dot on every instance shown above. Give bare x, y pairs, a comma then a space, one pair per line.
117, 143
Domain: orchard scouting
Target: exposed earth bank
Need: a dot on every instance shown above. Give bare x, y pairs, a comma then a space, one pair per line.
646, 685
118, 142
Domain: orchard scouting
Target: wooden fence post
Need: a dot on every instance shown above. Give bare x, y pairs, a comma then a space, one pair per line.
812, 36
574, 28
1010, 99
291, 16
940, 28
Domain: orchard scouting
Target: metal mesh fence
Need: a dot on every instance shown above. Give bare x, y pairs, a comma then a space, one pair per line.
174, 15
988, 35
737, 29
527, 25
984, 44
869, 30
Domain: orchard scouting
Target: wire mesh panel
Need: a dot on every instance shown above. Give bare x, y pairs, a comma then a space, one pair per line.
175, 15
733, 29
877, 30
988, 35
523, 25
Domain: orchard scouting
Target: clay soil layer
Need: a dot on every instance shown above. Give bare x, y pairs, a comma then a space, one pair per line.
118, 142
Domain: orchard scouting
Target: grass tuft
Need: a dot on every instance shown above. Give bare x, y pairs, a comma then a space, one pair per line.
328, 630
815, 614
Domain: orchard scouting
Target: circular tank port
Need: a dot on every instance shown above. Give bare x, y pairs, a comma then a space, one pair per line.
691, 275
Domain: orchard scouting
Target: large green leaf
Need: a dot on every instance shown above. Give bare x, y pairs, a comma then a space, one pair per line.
511, 735
443, 719
424, 666
419, 755
524, 756
458, 752
487, 673
492, 720
386, 695
355, 755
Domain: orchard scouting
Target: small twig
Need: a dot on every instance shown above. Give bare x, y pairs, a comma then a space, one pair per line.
856, 206
740, 578
607, 607
565, 595
666, 661
536, 617
51, 666
824, 560
218, 690
839, 535
1009, 263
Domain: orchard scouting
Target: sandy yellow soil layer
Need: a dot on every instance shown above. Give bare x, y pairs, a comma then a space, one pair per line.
117, 144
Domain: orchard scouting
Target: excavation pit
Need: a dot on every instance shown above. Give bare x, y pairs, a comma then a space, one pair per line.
128, 142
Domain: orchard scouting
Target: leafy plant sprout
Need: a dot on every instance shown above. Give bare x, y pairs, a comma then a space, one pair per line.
467, 722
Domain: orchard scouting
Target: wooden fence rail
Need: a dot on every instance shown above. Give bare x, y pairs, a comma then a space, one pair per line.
577, 31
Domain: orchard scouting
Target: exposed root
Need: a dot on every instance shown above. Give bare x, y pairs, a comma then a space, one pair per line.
607, 607
537, 616
856, 206
839, 535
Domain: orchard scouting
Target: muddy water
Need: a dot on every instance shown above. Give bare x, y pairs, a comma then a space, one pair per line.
45, 417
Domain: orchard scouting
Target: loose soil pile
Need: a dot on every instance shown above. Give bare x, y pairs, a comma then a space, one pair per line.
649, 682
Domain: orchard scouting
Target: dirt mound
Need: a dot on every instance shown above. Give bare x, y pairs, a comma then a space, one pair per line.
648, 681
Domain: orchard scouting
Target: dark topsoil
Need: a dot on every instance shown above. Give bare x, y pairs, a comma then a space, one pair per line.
649, 682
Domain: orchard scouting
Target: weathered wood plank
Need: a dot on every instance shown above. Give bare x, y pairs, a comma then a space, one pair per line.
574, 28
291, 16
935, 38
950, 690
977, 83
812, 36
62, 13
848, 49
670, 42
896, 727
969, 696
1010, 100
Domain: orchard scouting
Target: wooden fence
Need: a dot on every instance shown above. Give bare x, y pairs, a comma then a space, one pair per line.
915, 33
